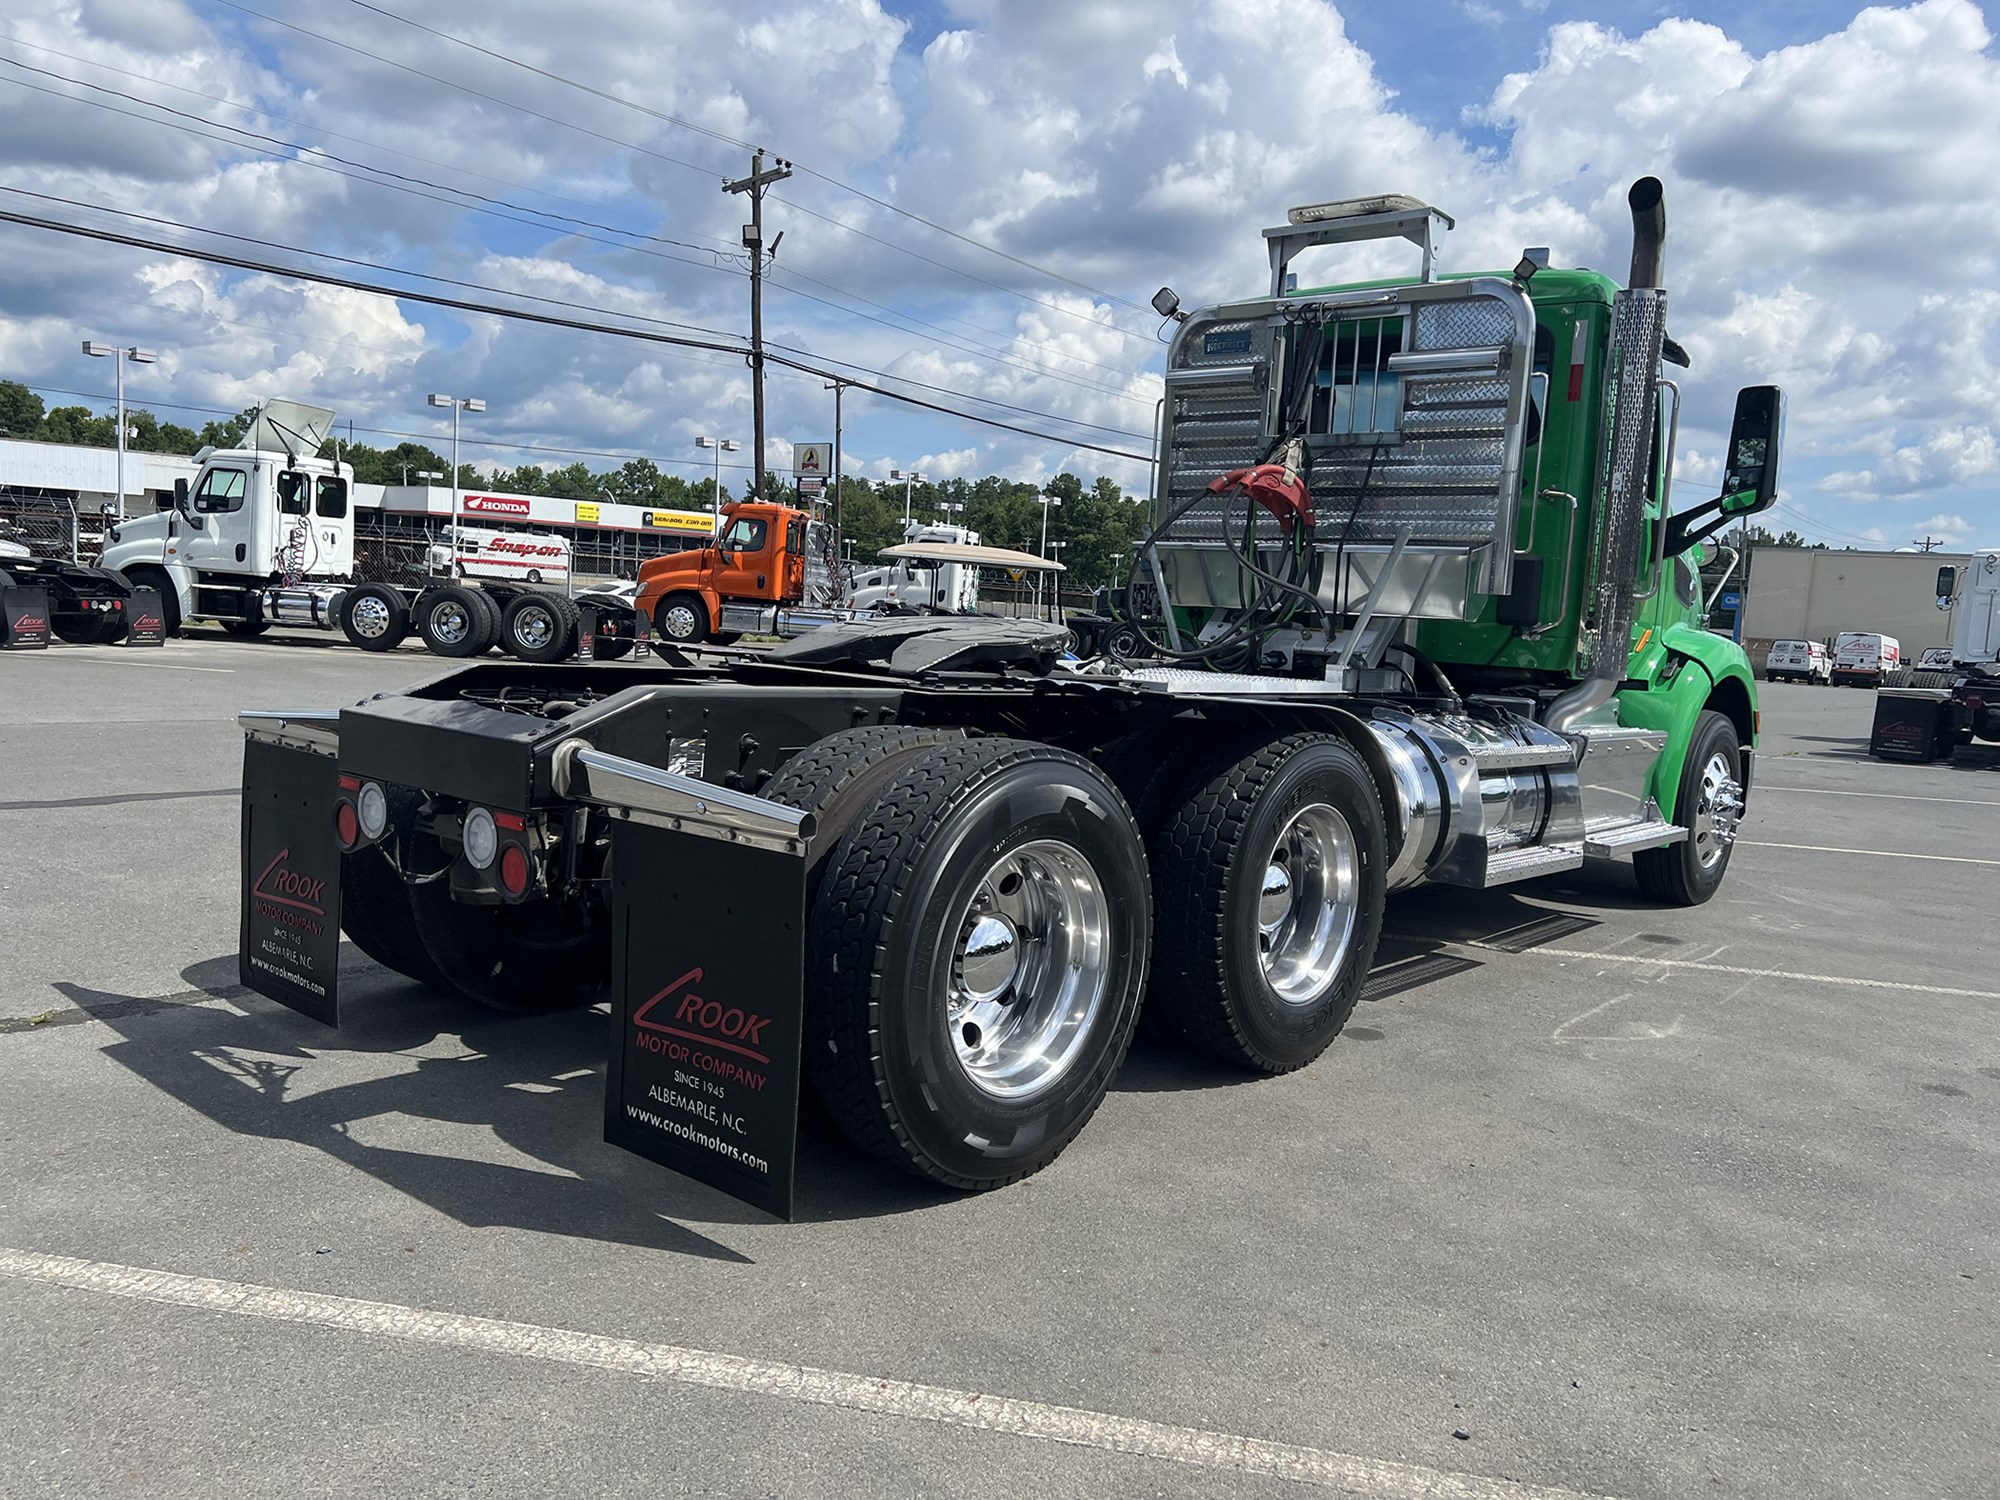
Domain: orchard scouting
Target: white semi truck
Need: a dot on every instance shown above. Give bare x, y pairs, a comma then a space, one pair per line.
264, 535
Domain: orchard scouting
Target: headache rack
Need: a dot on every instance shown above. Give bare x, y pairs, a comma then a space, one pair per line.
1414, 401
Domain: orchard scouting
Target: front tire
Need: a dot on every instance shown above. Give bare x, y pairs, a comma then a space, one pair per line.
682, 619
976, 956
1709, 805
1270, 882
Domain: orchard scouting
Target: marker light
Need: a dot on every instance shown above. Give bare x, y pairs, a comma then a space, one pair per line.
374, 809
482, 839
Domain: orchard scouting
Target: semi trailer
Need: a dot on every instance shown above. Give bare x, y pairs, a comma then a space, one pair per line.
1423, 616
1959, 699
264, 535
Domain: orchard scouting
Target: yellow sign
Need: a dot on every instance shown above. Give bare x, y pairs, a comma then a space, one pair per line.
586, 512
687, 522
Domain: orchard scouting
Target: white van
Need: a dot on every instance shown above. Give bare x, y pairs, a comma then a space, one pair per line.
520, 556
1798, 661
1863, 658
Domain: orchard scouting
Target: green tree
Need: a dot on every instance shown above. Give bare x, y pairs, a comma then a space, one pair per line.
21, 411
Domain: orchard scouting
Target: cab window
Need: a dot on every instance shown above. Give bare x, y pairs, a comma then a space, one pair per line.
221, 490
795, 538
745, 535
294, 489
331, 503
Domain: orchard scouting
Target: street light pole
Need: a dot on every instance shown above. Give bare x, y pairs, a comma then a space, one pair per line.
118, 356
721, 446
457, 404
909, 478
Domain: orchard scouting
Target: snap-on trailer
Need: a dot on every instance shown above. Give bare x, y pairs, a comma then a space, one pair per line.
1425, 618
265, 535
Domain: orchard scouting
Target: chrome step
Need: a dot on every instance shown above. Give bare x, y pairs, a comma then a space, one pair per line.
1601, 843
1525, 864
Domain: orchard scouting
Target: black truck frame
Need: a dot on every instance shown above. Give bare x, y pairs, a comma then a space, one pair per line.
899, 857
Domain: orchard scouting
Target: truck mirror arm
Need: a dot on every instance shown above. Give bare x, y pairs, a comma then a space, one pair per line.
1682, 533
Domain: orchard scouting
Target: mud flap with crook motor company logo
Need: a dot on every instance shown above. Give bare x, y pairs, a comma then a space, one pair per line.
290, 942
708, 954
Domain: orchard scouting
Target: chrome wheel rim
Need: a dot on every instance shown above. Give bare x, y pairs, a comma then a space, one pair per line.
1030, 970
678, 621
534, 627
451, 622
1718, 809
1308, 904
370, 616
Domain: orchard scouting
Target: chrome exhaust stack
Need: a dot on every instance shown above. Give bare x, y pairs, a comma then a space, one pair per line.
1638, 333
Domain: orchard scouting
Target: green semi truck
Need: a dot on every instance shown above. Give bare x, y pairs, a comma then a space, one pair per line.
1414, 608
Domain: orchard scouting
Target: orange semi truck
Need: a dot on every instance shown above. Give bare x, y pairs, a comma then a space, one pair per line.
740, 582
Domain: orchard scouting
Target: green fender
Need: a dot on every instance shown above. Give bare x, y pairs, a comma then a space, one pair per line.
1685, 670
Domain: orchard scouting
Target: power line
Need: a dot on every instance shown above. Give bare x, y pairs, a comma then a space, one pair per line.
551, 320
429, 161
626, 145
477, 286
686, 124
400, 185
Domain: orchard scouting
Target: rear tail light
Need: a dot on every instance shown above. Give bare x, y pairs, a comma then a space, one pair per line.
346, 825
514, 869
373, 809
481, 838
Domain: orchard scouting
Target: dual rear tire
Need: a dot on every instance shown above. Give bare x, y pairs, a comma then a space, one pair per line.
981, 919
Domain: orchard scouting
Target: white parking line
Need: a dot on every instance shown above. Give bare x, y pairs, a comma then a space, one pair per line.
1820, 791
1950, 859
1221, 1451
1754, 973
119, 660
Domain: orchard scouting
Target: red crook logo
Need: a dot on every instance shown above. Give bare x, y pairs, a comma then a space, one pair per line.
281, 884
727, 1027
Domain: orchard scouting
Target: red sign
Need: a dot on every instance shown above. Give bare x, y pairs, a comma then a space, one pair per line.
494, 505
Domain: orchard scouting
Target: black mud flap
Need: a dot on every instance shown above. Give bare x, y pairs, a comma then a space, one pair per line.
24, 617
291, 879
708, 995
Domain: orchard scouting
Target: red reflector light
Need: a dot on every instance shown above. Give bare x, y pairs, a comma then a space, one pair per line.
514, 869
346, 825
350, 783
511, 820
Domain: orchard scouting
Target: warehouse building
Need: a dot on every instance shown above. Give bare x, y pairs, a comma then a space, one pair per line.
1811, 594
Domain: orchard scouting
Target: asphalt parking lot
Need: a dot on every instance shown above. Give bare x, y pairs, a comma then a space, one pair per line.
1647, 1202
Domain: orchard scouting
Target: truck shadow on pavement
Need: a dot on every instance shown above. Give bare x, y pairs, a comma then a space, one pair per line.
404, 1053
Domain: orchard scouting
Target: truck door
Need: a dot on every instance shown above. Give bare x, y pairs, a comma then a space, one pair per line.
744, 564
220, 502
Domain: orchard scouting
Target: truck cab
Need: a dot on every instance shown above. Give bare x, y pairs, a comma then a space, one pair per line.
758, 557
252, 517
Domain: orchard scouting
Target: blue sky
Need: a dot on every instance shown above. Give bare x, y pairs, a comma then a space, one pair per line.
1828, 173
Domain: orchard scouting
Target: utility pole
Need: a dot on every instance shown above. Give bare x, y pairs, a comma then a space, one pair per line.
1930, 543
760, 178
836, 386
